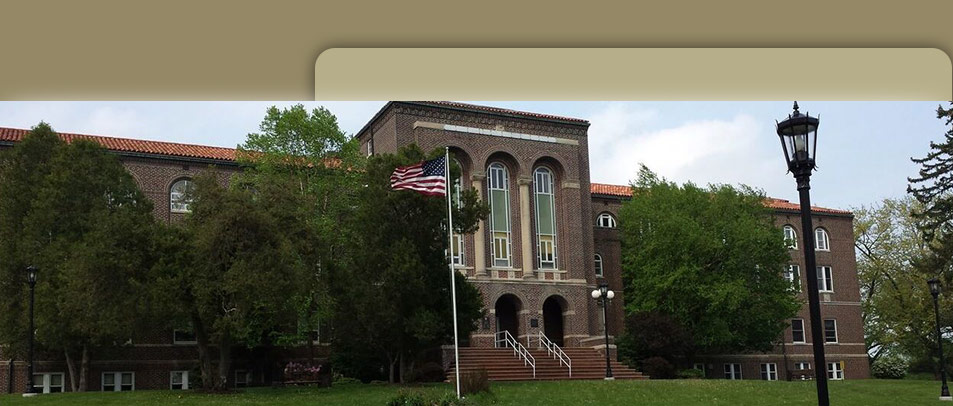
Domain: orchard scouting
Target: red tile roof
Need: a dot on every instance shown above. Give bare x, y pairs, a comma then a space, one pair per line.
135, 146
500, 110
780, 204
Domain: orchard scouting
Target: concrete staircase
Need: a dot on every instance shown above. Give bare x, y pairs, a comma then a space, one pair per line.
502, 365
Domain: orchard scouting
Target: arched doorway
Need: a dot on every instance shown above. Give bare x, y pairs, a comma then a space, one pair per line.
553, 319
507, 314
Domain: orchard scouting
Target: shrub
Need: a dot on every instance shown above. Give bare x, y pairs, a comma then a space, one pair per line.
343, 380
429, 372
408, 398
658, 368
889, 367
474, 382
691, 373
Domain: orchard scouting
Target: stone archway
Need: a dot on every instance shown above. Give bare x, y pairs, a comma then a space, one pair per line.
553, 323
508, 309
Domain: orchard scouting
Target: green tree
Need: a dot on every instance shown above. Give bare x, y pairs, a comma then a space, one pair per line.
710, 258
89, 230
236, 276
933, 187
394, 302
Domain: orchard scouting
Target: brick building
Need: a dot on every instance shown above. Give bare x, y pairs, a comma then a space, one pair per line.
549, 240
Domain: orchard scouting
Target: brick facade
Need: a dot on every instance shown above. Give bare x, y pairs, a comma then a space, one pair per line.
477, 137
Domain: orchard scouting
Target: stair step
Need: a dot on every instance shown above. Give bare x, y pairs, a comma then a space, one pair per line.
502, 364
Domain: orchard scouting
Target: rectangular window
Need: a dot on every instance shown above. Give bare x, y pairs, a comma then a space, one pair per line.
119, 381
48, 382
179, 380
242, 378
499, 220
769, 372
457, 249
183, 337
547, 251
830, 331
797, 331
790, 237
793, 276
699, 366
733, 371
825, 279
835, 371
802, 366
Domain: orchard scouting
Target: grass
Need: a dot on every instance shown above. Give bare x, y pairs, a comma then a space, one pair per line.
570, 393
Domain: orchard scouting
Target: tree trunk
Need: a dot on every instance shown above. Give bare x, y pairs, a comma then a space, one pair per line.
224, 360
84, 369
403, 367
391, 362
71, 368
205, 359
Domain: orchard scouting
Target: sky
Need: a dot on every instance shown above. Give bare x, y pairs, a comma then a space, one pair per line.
864, 148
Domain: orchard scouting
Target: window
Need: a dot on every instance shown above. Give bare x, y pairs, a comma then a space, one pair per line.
835, 371
242, 378
119, 381
769, 372
499, 196
605, 220
825, 279
802, 366
797, 331
598, 265
183, 337
699, 366
821, 242
180, 197
830, 331
732, 371
48, 382
545, 218
790, 237
370, 147
457, 238
179, 380
793, 276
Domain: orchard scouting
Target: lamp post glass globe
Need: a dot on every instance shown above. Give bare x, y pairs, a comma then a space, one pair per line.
934, 286
31, 274
798, 135
596, 294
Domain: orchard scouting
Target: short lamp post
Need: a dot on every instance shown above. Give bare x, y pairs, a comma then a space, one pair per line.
798, 134
603, 296
935, 292
31, 279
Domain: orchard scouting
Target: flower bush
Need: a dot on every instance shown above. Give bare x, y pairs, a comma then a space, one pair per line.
301, 372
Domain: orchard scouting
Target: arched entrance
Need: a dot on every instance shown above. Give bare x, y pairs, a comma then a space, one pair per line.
507, 314
553, 319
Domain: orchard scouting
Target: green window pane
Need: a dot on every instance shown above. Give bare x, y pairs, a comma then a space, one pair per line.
500, 210
544, 210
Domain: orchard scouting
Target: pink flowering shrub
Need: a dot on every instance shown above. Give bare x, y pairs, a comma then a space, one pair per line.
302, 372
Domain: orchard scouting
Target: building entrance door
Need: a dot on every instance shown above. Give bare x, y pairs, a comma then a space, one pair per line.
507, 315
553, 320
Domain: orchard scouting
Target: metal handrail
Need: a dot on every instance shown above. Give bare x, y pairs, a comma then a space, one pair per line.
506, 339
552, 349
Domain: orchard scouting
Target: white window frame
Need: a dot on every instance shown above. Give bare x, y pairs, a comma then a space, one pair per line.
177, 203
835, 371
544, 184
46, 384
117, 381
185, 380
498, 172
769, 371
793, 276
825, 279
247, 378
835, 331
822, 241
599, 266
802, 329
801, 364
458, 244
790, 240
733, 371
699, 366
608, 219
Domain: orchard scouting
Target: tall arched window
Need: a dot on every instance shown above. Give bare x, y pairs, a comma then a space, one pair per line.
545, 218
180, 196
790, 237
605, 220
498, 184
821, 241
458, 258
598, 265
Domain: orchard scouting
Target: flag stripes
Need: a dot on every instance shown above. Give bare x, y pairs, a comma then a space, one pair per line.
426, 177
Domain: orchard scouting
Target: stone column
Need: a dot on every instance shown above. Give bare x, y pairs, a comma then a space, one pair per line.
525, 228
479, 244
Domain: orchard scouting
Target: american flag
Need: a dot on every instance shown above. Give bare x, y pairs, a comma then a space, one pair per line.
427, 177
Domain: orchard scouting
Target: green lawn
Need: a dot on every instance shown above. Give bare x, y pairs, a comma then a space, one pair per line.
571, 393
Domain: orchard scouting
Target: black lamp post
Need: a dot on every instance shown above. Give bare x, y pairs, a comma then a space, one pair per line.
31, 279
603, 295
935, 291
798, 134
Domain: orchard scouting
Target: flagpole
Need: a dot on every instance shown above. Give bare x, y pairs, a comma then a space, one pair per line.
453, 273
